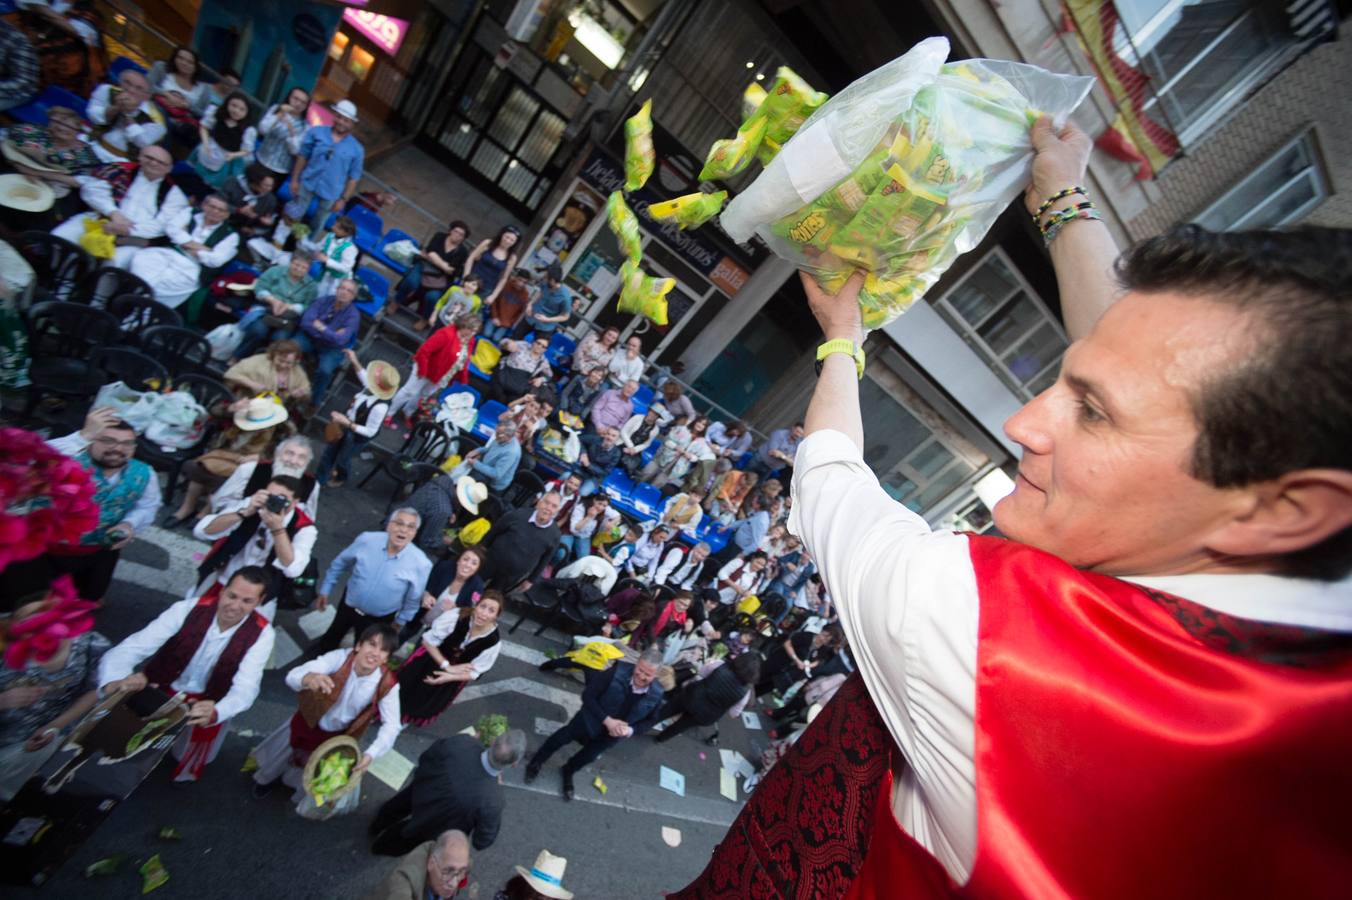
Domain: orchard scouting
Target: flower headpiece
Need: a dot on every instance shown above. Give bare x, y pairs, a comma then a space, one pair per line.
62, 616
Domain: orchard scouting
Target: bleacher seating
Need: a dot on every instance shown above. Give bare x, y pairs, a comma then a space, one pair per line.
378, 285
488, 419
34, 112
378, 254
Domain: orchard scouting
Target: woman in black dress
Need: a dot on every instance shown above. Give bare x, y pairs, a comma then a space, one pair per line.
458, 648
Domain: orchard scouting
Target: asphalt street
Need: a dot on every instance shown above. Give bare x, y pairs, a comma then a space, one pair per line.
233, 846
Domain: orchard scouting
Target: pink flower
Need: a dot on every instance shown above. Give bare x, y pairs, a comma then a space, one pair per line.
61, 616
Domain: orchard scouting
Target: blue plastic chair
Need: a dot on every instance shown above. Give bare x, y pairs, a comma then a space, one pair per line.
366, 219
619, 487
489, 413
34, 112
459, 389
650, 451
647, 499
378, 285
122, 64
560, 352
236, 265
643, 397
378, 254
316, 270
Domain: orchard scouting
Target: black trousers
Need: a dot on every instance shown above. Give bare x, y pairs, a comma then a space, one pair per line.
391, 838
91, 572
347, 619
575, 730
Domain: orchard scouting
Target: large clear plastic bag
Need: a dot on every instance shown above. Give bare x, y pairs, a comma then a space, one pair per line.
902, 171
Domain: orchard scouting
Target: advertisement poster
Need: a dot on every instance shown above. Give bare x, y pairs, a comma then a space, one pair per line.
581, 207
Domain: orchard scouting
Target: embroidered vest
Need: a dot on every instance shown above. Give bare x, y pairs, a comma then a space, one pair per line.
313, 705
121, 175
115, 498
262, 475
173, 657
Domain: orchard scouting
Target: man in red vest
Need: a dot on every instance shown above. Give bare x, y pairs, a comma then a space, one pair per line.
1145, 690
212, 648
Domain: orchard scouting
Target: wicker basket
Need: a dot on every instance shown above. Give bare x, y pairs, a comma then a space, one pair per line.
340, 744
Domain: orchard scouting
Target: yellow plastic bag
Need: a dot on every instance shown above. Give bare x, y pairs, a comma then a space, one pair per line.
690, 210
625, 225
486, 356
97, 242
639, 156
475, 531
749, 604
597, 655
642, 294
451, 462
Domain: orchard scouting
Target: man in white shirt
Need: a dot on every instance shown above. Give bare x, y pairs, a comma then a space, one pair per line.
126, 118
680, 569
139, 201
293, 458
629, 365
213, 649
1158, 656
202, 244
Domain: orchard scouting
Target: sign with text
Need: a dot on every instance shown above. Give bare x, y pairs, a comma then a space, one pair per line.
386, 31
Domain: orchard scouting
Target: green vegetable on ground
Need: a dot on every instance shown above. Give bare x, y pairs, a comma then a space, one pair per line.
106, 866
153, 874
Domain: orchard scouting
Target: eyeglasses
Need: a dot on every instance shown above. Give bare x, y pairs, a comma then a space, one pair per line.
121, 445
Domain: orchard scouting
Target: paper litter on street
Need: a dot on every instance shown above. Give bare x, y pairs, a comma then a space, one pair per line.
392, 768
751, 720
315, 623
599, 785
673, 781
727, 784
737, 763
671, 835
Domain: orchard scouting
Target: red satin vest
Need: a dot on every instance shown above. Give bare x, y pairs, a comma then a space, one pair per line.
168, 663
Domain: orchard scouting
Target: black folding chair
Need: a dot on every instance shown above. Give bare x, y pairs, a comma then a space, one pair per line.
139, 314
101, 286
58, 264
180, 350
415, 476
429, 443
215, 398
136, 370
525, 487
62, 341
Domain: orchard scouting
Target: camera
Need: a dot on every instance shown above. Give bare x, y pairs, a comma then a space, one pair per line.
276, 503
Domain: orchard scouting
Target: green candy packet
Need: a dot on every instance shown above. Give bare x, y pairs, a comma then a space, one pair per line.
639, 156
625, 225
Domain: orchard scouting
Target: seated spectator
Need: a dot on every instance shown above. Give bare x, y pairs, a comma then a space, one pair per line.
643, 562
456, 301
674, 442
41, 701
286, 291
614, 407
627, 366
509, 305
327, 328
437, 506
521, 543
523, 368
200, 247
252, 431
581, 390
440, 360
673, 618
601, 452
682, 512
57, 147
125, 119
740, 578
585, 518
293, 457
250, 195
275, 371
595, 350
778, 450
140, 202
750, 530
226, 140
437, 869
730, 441
496, 461
19, 69
636, 435
226, 83
179, 89
569, 489
729, 490
531, 415
435, 269
213, 649
675, 403
550, 310
682, 567
797, 656
720, 689
459, 647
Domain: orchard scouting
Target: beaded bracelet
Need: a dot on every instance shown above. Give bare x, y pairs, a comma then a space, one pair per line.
1059, 221
1065, 214
1059, 195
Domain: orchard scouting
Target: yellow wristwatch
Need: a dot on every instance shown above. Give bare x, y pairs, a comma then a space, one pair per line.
840, 345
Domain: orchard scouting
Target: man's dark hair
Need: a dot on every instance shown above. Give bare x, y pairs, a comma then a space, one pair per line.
290, 482
119, 425
252, 574
747, 668
457, 223
386, 633
836, 633
1287, 405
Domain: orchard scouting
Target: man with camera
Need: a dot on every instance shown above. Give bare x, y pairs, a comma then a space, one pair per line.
269, 529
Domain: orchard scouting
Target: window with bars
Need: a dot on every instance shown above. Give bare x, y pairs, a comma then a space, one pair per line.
1000, 317
1282, 191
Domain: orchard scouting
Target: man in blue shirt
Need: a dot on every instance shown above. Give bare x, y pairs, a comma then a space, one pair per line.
551, 309
749, 531
326, 330
386, 583
778, 450
497, 460
329, 164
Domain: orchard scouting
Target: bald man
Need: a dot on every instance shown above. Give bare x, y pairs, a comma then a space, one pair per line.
437, 868
126, 118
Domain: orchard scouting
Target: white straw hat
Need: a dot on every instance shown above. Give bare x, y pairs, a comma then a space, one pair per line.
345, 108
18, 192
546, 876
262, 412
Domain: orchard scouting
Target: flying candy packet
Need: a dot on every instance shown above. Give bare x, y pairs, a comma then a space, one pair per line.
728, 157
625, 225
769, 118
639, 156
690, 210
642, 294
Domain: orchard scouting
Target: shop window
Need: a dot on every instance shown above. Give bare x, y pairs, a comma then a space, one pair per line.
339, 44
1280, 192
360, 62
995, 311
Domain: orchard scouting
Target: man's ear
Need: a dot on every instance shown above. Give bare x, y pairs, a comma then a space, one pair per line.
1293, 512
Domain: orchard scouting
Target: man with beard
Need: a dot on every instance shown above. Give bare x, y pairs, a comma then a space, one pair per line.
128, 496
293, 457
329, 164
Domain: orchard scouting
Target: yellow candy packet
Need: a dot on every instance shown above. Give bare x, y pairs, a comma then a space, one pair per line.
643, 294
728, 157
639, 156
690, 210
625, 225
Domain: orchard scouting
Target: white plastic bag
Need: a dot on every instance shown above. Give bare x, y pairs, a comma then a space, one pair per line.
306, 808
136, 408
179, 421
225, 340
902, 171
458, 410
402, 251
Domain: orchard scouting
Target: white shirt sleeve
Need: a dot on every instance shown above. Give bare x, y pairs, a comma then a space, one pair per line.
199, 530
70, 445
121, 660
231, 493
390, 726
99, 101
222, 253
244, 689
97, 194
484, 661
443, 626
908, 601
327, 664
142, 515
174, 211
302, 545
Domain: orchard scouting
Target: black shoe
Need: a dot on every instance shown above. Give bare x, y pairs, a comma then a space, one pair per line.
171, 521
262, 790
712, 740
567, 785
532, 772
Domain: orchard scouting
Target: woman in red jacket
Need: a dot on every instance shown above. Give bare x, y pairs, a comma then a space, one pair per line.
442, 358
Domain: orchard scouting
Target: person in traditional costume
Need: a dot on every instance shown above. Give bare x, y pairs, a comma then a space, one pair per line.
293, 457
341, 692
213, 649
66, 36
139, 200
125, 118
201, 246
459, 647
1158, 652
128, 496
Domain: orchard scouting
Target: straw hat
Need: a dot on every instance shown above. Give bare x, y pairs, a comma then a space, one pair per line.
262, 412
470, 493
17, 192
546, 876
12, 153
382, 379
345, 108
342, 743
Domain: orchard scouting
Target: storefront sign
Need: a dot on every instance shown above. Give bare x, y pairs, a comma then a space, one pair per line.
386, 31
606, 174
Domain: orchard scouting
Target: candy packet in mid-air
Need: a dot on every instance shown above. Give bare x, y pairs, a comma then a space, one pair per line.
639, 156
625, 225
643, 294
690, 210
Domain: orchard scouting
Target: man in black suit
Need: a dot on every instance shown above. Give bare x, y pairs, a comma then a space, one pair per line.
520, 543
455, 787
618, 703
